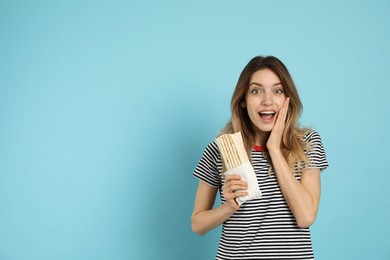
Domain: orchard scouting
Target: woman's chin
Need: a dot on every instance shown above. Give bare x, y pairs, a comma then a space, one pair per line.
264, 129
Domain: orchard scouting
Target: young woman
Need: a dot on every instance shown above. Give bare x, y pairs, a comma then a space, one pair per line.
287, 161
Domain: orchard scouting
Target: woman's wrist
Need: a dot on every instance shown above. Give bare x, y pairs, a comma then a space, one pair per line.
229, 209
274, 149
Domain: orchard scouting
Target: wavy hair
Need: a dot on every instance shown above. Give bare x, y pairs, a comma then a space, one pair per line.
293, 147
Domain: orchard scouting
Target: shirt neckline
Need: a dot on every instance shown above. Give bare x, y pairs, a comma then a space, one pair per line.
257, 148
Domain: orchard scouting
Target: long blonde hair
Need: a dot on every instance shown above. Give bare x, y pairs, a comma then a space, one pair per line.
292, 145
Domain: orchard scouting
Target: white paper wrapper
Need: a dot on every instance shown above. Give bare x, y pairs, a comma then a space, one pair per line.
248, 174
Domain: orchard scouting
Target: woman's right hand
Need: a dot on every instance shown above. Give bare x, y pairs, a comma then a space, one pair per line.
233, 188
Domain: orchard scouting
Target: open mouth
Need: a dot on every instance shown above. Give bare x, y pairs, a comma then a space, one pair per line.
267, 115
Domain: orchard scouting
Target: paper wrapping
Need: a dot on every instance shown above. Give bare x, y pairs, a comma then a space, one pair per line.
248, 174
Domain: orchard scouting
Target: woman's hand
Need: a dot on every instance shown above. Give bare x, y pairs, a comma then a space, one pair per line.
275, 138
233, 188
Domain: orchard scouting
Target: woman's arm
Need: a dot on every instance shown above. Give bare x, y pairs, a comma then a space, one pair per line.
302, 197
205, 217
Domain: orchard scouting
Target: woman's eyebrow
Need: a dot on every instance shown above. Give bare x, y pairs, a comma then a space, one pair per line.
260, 85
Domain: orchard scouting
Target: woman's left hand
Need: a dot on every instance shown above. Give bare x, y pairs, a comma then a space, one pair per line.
275, 138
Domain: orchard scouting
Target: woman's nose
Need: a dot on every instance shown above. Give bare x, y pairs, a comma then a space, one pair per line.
266, 99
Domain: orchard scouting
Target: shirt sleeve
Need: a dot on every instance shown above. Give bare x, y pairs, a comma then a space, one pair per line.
207, 168
316, 152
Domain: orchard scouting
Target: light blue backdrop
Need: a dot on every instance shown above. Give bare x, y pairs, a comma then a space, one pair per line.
106, 106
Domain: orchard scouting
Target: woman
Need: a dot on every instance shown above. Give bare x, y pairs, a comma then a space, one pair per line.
287, 161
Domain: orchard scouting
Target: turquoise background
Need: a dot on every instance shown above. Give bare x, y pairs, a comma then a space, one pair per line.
106, 107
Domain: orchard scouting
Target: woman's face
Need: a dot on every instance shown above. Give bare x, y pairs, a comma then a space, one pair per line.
263, 101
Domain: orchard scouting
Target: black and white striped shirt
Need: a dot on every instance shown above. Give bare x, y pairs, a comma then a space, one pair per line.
262, 228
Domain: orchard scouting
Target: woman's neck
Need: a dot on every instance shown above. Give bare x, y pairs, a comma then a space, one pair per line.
261, 138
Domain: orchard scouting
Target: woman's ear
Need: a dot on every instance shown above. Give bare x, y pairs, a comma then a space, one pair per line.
243, 104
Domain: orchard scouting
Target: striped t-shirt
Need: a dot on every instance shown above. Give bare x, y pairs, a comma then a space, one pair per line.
263, 228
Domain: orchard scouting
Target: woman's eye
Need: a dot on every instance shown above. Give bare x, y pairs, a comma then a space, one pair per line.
279, 91
255, 91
